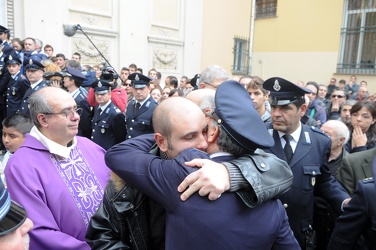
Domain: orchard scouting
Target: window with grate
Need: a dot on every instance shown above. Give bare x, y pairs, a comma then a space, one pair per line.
266, 8
240, 66
358, 38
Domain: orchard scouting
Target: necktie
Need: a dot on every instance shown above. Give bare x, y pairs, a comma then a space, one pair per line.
138, 105
288, 149
99, 111
136, 108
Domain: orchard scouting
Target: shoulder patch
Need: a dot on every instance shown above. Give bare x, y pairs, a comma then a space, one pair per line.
367, 180
23, 77
314, 129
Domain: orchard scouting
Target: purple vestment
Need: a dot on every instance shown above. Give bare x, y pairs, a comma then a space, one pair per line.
59, 194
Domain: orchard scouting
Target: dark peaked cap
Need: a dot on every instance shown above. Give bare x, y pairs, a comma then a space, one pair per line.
75, 74
237, 115
12, 59
101, 86
283, 92
139, 81
33, 64
3, 29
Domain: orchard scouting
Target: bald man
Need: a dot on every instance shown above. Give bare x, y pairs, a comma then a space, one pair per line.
68, 173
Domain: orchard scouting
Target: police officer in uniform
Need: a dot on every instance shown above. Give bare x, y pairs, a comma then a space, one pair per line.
73, 80
34, 73
5, 50
358, 219
306, 149
109, 122
17, 86
140, 110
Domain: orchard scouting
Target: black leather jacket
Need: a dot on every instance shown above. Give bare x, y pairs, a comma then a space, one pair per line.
126, 219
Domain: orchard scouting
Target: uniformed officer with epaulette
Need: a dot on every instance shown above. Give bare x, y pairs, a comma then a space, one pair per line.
306, 149
139, 111
108, 125
17, 86
73, 80
358, 219
34, 73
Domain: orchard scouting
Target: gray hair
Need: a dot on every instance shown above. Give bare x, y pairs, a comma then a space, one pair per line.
74, 64
39, 43
340, 128
213, 72
207, 102
38, 104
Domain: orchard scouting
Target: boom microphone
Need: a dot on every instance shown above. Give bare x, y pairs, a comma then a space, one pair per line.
70, 30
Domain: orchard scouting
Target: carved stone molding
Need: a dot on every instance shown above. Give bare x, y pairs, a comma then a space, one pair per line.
165, 58
88, 52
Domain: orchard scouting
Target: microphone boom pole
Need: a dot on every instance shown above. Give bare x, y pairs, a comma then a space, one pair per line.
70, 32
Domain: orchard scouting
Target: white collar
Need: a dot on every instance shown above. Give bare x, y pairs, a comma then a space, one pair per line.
52, 146
295, 134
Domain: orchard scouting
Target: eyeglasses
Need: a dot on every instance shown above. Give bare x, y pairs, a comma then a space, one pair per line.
127, 84
67, 113
211, 85
339, 96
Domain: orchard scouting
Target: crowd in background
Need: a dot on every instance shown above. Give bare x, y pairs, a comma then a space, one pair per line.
117, 105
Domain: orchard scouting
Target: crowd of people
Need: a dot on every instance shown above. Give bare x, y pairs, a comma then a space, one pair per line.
100, 160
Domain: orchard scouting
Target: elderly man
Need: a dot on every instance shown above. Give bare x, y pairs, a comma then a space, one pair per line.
212, 77
14, 224
215, 233
324, 217
61, 183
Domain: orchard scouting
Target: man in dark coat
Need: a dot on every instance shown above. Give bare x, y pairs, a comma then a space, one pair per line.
34, 73
108, 125
158, 178
358, 218
306, 149
139, 114
73, 80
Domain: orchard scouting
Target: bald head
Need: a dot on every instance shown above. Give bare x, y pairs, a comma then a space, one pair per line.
172, 109
47, 100
204, 98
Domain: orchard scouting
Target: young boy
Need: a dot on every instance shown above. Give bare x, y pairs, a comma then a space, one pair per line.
14, 129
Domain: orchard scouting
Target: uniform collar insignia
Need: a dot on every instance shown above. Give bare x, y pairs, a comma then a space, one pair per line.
276, 86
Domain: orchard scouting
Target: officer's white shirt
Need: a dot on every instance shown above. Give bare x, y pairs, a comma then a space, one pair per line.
295, 135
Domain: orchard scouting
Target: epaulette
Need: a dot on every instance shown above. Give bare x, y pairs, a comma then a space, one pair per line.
314, 129
368, 180
117, 110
